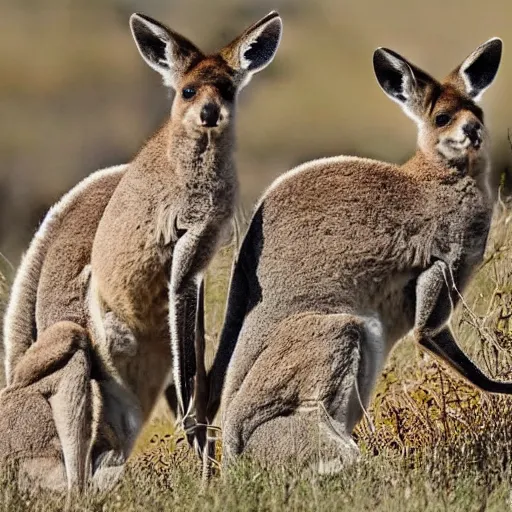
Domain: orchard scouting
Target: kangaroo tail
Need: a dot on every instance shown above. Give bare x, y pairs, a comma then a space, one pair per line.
236, 310
20, 317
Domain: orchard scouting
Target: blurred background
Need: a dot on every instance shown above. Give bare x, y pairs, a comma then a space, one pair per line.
75, 95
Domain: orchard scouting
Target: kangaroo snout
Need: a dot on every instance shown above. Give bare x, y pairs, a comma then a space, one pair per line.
210, 115
473, 131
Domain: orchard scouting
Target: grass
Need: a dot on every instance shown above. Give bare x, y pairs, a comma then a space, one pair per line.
384, 482
430, 441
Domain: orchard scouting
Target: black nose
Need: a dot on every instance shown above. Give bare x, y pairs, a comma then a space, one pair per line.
472, 131
210, 115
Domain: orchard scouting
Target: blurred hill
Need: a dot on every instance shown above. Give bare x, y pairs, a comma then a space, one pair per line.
75, 95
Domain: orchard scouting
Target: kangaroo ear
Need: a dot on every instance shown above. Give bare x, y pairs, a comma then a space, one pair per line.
255, 48
402, 81
164, 50
478, 71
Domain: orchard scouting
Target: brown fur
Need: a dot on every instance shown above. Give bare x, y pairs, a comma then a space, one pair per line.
49, 285
361, 238
52, 283
170, 212
46, 413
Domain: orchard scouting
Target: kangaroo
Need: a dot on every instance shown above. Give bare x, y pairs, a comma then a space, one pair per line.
174, 204
345, 252
51, 287
52, 283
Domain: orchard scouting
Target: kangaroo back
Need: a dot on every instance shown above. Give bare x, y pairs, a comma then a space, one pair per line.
54, 236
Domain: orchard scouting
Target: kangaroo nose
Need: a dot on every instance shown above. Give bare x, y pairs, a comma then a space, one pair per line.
210, 115
472, 130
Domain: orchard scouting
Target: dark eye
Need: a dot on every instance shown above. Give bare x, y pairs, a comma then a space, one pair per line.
188, 92
443, 119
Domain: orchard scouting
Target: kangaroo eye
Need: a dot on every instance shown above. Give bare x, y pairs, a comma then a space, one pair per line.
188, 92
443, 119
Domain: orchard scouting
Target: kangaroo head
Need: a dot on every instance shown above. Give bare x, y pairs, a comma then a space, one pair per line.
450, 123
206, 86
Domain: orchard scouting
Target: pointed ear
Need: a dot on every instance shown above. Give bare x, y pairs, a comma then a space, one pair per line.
478, 71
164, 50
255, 48
403, 82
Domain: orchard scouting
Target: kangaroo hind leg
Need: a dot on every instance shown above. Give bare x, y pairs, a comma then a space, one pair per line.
310, 363
70, 398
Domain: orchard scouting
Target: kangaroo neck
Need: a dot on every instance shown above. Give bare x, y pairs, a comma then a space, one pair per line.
436, 168
427, 168
200, 156
424, 167
175, 153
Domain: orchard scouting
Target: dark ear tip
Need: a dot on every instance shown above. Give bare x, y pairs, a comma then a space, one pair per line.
272, 14
494, 49
494, 45
379, 56
138, 17
378, 51
497, 46
381, 53
274, 22
496, 42
135, 18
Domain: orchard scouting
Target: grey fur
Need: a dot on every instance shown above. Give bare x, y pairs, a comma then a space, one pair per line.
361, 238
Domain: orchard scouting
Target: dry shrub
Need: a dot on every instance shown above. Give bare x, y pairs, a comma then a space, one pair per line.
426, 412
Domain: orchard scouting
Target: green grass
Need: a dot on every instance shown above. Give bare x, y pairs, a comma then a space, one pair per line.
430, 442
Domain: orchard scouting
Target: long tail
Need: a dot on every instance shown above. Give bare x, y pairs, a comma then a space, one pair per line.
235, 314
201, 384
